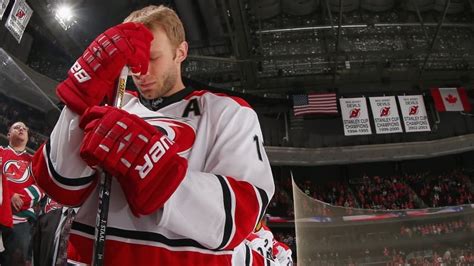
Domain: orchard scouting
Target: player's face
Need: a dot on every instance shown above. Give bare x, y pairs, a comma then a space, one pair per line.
164, 70
18, 131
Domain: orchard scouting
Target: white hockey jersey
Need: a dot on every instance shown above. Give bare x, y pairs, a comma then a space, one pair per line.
275, 252
262, 242
282, 253
224, 194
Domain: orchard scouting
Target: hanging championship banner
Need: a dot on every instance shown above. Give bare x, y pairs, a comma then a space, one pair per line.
3, 7
385, 113
18, 19
414, 113
355, 116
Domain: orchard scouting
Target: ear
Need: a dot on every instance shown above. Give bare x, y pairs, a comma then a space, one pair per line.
182, 52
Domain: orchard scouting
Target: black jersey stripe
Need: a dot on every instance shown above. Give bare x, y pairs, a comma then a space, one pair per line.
264, 198
228, 211
247, 255
84, 228
73, 182
141, 235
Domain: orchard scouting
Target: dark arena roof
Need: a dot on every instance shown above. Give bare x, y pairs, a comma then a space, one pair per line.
273, 48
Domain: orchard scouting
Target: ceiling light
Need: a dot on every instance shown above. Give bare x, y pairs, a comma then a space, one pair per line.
64, 12
65, 16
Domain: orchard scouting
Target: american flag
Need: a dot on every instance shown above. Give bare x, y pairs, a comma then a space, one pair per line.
315, 103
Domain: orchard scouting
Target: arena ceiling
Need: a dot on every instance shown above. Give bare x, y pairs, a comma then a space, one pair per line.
278, 47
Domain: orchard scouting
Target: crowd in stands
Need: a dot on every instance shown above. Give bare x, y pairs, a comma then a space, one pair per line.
437, 228
395, 192
346, 237
335, 192
384, 193
328, 244
462, 255
282, 201
453, 188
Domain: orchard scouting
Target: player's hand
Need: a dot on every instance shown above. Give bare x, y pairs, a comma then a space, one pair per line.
17, 202
93, 75
143, 160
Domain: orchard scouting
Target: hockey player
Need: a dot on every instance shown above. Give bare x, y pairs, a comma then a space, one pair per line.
263, 241
191, 177
282, 253
23, 194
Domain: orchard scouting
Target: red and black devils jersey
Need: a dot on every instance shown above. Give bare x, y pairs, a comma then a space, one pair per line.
17, 174
5, 203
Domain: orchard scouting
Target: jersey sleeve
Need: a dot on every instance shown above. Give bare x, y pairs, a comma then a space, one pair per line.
57, 166
31, 196
220, 206
5, 203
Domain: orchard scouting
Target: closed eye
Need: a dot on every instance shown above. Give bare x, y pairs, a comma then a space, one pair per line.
155, 56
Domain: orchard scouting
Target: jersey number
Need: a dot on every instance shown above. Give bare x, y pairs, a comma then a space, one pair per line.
258, 148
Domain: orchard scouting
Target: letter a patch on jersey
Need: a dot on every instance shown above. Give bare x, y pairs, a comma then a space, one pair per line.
193, 106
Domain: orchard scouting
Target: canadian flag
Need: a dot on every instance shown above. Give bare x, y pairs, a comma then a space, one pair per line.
450, 99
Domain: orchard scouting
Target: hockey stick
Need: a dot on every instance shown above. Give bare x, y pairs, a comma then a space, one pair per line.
105, 187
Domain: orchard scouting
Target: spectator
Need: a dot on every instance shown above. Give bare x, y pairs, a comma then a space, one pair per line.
9, 113
24, 194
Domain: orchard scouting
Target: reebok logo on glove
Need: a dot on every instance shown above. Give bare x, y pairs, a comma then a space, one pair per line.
154, 155
79, 73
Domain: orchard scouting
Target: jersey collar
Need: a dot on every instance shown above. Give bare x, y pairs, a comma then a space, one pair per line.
15, 151
158, 103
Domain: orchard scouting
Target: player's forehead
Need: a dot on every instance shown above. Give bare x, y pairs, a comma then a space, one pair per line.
161, 41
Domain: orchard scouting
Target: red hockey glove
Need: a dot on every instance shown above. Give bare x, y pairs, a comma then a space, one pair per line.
142, 159
92, 76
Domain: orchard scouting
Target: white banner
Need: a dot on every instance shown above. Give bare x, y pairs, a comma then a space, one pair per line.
414, 113
355, 116
18, 19
3, 7
385, 113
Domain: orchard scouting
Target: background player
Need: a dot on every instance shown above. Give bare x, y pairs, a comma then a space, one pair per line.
263, 241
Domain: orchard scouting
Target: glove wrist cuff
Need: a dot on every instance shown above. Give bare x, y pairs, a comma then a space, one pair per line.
71, 98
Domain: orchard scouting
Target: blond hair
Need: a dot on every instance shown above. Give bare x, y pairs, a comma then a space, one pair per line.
160, 16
